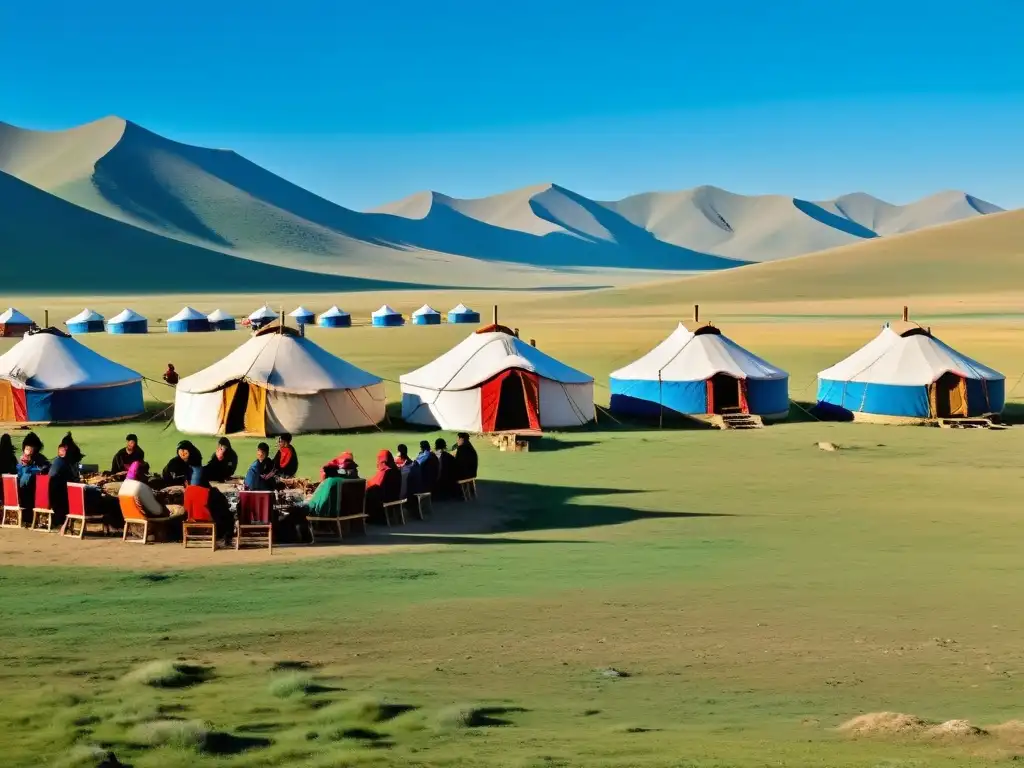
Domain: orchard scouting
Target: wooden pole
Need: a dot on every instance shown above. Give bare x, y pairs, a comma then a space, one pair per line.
515, 332
46, 318
494, 316
906, 313
696, 313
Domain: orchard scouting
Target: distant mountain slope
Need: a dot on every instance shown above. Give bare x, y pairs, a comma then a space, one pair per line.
975, 256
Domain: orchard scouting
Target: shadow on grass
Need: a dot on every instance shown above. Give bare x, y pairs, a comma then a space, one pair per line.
1013, 414
226, 744
491, 717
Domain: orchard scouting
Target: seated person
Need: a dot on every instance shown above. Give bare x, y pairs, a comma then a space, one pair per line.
430, 468
345, 464
321, 504
216, 503
224, 463
62, 472
171, 375
383, 487
131, 452
466, 461
260, 476
135, 487
447, 481
179, 469
286, 460
31, 464
411, 472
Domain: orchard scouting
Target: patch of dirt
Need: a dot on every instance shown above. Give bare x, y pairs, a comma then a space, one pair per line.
955, 729
884, 724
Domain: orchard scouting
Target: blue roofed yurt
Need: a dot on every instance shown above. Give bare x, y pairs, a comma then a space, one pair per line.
906, 375
463, 314
86, 321
221, 320
127, 321
302, 316
335, 318
386, 317
700, 372
188, 321
14, 323
262, 317
50, 377
426, 315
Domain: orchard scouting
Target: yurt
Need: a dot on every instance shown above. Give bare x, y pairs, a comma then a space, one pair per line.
14, 323
302, 316
426, 315
492, 382
221, 320
86, 321
463, 314
188, 321
128, 321
335, 318
49, 377
907, 375
262, 317
386, 317
278, 381
699, 371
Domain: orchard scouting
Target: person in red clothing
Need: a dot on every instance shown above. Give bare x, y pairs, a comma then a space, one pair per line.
383, 487
345, 464
171, 375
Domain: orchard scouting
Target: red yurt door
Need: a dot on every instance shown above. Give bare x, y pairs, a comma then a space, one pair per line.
510, 401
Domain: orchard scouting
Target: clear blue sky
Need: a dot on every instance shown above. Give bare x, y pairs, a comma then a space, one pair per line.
368, 101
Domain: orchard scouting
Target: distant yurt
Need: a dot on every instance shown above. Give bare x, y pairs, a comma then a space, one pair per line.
493, 382
49, 377
86, 321
426, 315
335, 318
221, 320
188, 321
302, 316
262, 317
128, 321
386, 317
463, 314
278, 381
14, 323
699, 371
907, 375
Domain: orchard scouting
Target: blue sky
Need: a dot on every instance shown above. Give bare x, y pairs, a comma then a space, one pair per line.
367, 102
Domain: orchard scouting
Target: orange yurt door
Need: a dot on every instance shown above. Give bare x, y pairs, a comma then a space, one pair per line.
948, 396
510, 401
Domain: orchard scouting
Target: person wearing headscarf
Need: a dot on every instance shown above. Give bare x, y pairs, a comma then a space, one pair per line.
344, 463
135, 486
260, 476
286, 460
383, 487
72, 452
179, 469
447, 480
223, 464
411, 472
132, 451
430, 468
466, 460
216, 502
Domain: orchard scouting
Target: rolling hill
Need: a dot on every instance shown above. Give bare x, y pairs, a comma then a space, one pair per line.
541, 236
976, 256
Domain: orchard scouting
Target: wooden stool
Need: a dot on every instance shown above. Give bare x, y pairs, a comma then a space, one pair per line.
394, 505
424, 505
468, 487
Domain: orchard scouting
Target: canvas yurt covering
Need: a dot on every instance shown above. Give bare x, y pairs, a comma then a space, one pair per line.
906, 374
278, 382
463, 314
50, 377
128, 321
335, 318
494, 381
426, 315
262, 316
221, 320
700, 372
14, 323
86, 321
386, 317
302, 316
188, 321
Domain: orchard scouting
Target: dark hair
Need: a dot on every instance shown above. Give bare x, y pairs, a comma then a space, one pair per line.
440, 444
225, 442
331, 470
143, 467
403, 449
463, 436
424, 445
6, 444
286, 437
131, 437
263, 447
32, 439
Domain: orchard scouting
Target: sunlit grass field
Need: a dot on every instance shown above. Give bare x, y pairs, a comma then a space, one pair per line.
752, 591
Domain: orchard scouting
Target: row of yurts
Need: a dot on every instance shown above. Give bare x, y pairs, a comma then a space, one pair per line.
189, 320
280, 381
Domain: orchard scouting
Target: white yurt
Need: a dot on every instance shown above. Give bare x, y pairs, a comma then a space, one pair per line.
700, 372
460, 313
494, 381
188, 320
278, 382
262, 316
335, 318
127, 321
426, 315
905, 374
14, 323
302, 316
221, 320
86, 321
386, 317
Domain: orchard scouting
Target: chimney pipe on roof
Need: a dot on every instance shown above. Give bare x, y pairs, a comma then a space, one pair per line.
906, 313
696, 313
515, 332
46, 318
494, 318
533, 342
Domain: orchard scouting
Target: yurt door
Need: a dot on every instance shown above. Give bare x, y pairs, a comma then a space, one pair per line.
238, 401
510, 401
725, 395
949, 396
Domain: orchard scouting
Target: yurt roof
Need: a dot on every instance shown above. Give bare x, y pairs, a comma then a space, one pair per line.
917, 359
50, 359
187, 314
384, 311
460, 309
426, 309
300, 312
688, 356
219, 315
334, 312
86, 316
127, 316
14, 317
283, 362
484, 355
263, 313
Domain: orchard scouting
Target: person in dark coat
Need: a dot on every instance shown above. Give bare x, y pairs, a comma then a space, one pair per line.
447, 480
179, 469
63, 470
31, 465
466, 461
171, 375
132, 451
286, 460
412, 472
430, 468
223, 464
260, 476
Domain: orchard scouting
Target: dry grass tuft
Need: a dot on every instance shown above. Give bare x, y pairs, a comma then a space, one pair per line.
884, 724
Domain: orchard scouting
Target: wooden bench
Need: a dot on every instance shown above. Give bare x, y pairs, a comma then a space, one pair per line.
78, 521
468, 487
198, 527
12, 509
424, 505
254, 526
42, 513
390, 507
